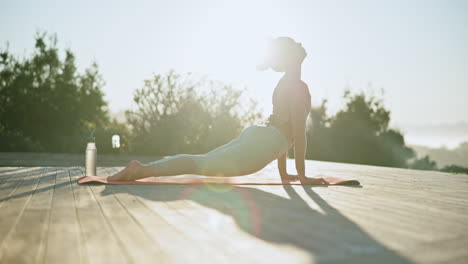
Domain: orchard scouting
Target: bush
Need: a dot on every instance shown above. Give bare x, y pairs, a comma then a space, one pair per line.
174, 114
104, 133
14, 141
46, 101
357, 134
455, 169
424, 163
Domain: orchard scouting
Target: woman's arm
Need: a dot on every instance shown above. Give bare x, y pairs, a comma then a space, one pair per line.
282, 168
298, 120
300, 144
282, 165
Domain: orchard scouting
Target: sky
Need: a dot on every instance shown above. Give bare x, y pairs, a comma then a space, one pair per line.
415, 51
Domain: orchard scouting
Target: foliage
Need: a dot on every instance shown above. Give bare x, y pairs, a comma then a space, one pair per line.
14, 141
424, 163
175, 114
357, 134
455, 169
45, 103
104, 134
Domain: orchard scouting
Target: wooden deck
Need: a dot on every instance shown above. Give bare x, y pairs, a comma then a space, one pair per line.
397, 216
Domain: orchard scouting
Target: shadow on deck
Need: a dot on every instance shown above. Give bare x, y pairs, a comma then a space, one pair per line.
328, 236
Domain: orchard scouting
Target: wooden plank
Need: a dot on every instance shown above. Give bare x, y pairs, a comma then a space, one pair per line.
392, 203
8, 172
276, 225
400, 205
223, 235
12, 180
136, 242
163, 233
22, 245
197, 224
192, 230
14, 205
375, 215
390, 176
64, 242
100, 242
348, 219
328, 236
398, 216
411, 193
409, 228
408, 181
443, 251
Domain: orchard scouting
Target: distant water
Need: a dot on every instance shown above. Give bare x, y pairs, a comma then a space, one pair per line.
448, 135
449, 142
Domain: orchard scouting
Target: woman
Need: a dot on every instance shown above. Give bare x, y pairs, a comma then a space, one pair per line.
257, 145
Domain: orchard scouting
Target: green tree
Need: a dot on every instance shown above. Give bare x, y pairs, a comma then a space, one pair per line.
176, 114
455, 169
45, 103
424, 163
104, 134
357, 134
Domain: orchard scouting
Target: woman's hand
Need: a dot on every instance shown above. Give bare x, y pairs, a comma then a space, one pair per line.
303, 179
288, 177
312, 181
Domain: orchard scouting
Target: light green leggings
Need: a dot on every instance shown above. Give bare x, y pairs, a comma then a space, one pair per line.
256, 146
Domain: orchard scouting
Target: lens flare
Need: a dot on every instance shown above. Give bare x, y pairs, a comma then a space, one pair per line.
238, 202
219, 188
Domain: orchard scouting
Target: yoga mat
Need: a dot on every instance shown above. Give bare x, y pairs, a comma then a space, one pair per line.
325, 180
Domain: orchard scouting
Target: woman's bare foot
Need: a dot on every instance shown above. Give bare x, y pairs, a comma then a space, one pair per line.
130, 173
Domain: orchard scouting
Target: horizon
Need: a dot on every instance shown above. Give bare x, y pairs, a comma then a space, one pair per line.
414, 50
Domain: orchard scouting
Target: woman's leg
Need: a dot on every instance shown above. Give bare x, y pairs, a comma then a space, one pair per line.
244, 155
170, 166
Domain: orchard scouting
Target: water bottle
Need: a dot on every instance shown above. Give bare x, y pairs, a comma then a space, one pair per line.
91, 156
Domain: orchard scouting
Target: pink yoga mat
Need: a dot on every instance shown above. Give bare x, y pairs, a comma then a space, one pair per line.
325, 180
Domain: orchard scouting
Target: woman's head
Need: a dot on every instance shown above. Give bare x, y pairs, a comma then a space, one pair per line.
283, 54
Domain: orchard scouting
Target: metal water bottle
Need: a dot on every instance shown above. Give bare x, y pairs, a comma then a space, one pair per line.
91, 157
